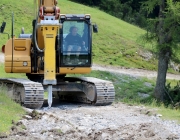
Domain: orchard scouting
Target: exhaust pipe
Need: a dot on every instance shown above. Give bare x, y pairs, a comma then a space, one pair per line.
3, 49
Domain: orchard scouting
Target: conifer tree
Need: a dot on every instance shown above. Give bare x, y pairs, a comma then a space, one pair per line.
164, 30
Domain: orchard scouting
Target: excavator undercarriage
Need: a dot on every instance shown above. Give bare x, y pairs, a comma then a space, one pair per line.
28, 93
86, 90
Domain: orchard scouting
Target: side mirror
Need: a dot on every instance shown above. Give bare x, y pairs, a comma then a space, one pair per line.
2, 27
95, 28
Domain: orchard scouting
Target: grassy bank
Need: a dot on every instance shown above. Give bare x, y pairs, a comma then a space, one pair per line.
9, 110
3, 74
169, 113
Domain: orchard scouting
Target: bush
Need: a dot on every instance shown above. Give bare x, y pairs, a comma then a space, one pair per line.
172, 95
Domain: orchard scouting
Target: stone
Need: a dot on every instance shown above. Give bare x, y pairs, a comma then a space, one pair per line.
27, 117
65, 128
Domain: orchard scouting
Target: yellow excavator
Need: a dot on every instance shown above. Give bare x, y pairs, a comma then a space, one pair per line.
50, 53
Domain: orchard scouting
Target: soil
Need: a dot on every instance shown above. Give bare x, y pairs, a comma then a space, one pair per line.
75, 121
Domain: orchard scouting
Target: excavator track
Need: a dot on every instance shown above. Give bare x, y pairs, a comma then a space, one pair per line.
95, 91
105, 93
31, 94
28, 93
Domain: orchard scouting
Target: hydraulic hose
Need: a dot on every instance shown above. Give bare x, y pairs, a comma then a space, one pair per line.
12, 43
35, 40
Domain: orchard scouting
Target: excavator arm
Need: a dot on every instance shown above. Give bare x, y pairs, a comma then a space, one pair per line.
50, 30
48, 26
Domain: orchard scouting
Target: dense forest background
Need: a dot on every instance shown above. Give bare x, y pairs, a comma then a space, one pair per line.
130, 11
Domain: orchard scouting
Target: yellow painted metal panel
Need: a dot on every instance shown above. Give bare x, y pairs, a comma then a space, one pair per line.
21, 53
18, 69
49, 2
19, 42
73, 70
49, 33
19, 58
25, 43
17, 64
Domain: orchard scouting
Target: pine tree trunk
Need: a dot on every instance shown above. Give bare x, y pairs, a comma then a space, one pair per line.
159, 91
164, 56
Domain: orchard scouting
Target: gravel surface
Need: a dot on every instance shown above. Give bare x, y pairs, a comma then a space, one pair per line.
67, 121
133, 72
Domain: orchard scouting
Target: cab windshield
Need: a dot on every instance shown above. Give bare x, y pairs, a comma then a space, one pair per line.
75, 45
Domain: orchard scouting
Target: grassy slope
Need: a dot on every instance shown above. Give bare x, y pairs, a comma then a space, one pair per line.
23, 15
117, 41
3, 74
9, 111
115, 44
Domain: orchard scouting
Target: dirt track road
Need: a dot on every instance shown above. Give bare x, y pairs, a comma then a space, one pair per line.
68, 121
133, 72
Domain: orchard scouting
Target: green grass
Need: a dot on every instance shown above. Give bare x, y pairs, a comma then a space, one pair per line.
23, 15
3, 74
45, 95
9, 110
172, 82
169, 114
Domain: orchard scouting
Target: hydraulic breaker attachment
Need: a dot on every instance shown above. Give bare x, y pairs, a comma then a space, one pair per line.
49, 96
49, 29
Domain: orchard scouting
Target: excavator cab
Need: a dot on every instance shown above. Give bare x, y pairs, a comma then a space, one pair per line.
76, 38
